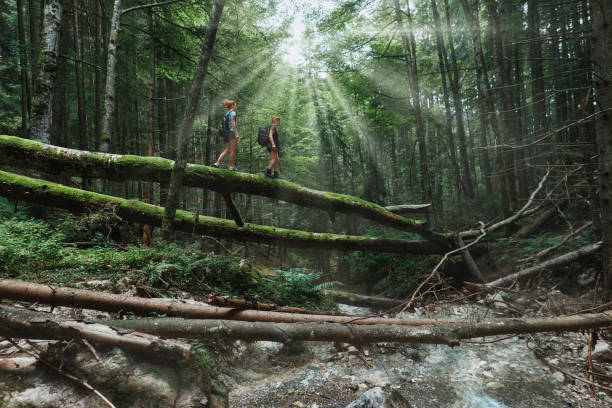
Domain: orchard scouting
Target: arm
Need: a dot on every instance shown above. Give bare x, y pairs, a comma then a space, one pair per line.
270, 136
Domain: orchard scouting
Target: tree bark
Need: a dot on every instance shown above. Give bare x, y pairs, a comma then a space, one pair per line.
557, 262
602, 35
242, 304
408, 208
184, 133
27, 324
89, 299
445, 333
147, 231
109, 93
26, 101
47, 193
78, 67
42, 101
56, 160
537, 223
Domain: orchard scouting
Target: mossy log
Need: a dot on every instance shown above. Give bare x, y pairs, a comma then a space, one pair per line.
50, 159
443, 333
107, 302
51, 194
27, 324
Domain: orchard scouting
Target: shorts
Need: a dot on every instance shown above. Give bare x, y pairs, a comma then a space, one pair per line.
269, 147
229, 136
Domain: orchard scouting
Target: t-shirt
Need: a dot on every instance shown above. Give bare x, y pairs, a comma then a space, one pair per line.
230, 115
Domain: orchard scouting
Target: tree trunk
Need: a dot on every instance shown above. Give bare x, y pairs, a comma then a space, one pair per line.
42, 101
27, 324
442, 63
458, 104
78, 67
46, 193
354, 299
111, 65
26, 102
90, 299
98, 76
485, 104
184, 134
557, 262
56, 160
445, 333
538, 95
146, 229
602, 35
411, 65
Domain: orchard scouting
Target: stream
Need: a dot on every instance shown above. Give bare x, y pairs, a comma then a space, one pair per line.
504, 374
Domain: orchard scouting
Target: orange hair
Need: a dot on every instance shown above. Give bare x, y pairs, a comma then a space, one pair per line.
229, 103
275, 118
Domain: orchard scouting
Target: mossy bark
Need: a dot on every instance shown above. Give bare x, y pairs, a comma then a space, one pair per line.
22, 153
47, 193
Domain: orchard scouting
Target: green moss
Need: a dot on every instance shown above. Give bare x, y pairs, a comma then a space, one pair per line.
21, 143
151, 163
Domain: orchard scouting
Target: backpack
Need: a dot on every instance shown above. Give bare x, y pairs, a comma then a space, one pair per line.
263, 136
224, 128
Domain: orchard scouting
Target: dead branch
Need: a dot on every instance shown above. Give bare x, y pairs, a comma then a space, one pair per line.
549, 264
62, 296
223, 301
23, 323
443, 333
354, 299
509, 220
546, 251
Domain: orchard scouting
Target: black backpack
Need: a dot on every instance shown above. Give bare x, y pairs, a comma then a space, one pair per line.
224, 128
263, 137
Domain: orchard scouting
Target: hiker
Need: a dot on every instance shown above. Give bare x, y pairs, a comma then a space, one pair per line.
230, 131
273, 148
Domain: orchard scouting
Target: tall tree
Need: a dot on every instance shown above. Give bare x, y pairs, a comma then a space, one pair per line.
411, 66
42, 101
602, 33
26, 102
78, 67
442, 63
193, 99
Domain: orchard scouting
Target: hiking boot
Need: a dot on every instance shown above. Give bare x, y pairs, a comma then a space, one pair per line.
276, 175
215, 165
269, 173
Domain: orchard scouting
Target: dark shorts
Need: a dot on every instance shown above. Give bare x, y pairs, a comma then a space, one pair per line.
269, 147
229, 136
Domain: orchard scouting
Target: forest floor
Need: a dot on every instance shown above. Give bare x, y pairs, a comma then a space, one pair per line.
500, 374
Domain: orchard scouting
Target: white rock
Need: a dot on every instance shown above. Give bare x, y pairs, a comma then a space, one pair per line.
602, 352
558, 377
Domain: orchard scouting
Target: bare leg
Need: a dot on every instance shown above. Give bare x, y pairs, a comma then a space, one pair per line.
274, 161
224, 153
233, 147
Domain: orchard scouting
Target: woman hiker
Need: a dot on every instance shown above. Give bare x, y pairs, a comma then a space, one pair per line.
231, 135
273, 148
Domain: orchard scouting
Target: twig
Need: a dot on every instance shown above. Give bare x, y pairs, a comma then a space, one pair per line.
91, 348
65, 374
567, 238
490, 341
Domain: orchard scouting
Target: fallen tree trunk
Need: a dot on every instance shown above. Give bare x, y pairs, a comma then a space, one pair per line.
29, 154
46, 193
409, 208
23, 323
549, 264
107, 302
536, 224
354, 299
445, 333
243, 304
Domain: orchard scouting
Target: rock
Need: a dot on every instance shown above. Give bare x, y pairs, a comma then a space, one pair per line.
558, 377
298, 404
376, 381
494, 385
377, 398
586, 278
602, 352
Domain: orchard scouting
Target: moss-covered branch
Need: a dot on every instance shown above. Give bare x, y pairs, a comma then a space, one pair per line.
29, 154
72, 199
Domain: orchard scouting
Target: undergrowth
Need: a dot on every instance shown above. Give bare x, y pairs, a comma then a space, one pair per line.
32, 250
